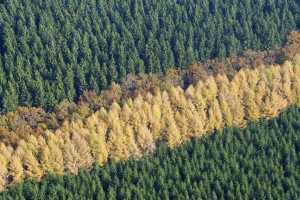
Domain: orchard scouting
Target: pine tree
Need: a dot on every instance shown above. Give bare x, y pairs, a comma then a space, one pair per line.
10, 98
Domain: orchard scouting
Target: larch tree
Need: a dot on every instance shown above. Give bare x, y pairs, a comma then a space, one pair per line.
296, 85
286, 73
236, 105
209, 90
145, 139
32, 166
3, 172
166, 108
223, 97
15, 169
261, 92
32, 144
85, 159
252, 110
182, 125
97, 142
196, 95
53, 158
155, 121
173, 135
71, 157
131, 142
215, 117
117, 143
45, 160
195, 119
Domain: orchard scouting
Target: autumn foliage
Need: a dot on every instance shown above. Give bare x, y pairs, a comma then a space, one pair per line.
130, 119
133, 128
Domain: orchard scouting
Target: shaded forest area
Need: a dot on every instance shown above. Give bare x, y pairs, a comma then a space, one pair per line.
259, 162
53, 50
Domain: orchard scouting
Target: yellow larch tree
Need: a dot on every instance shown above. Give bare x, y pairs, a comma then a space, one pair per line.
252, 76
262, 90
252, 110
5, 156
52, 155
97, 142
32, 144
145, 139
173, 135
274, 100
182, 125
155, 125
71, 157
117, 143
273, 104
237, 107
15, 169
286, 73
131, 143
3, 171
126, 113
223, 97
215, 118
166, 110
155, 121
198, 100
296, 85
196, 120
85, 159
209, 90
32, 166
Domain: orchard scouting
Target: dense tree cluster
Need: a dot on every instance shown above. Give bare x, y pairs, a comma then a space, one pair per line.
259, 162
130, 130
52, 50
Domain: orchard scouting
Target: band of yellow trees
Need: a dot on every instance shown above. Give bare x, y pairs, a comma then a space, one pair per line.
172, 116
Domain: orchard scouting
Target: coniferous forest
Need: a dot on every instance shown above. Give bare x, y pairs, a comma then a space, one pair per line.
259, 162
53, 50
149, 99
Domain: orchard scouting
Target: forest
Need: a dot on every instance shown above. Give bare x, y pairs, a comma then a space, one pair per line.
149, 99
258, 162
130, 130
53, 50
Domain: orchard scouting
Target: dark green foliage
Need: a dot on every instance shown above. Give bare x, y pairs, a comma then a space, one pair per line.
259, 162
52, 50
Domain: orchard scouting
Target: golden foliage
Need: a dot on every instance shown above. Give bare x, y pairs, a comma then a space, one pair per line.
135, 127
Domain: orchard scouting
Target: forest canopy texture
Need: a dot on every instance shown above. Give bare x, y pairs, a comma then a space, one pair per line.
145, 99
53, 50
259, 162
134, 128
